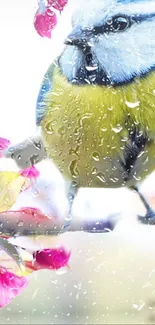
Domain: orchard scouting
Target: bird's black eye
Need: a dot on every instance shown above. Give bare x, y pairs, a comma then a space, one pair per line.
117, 24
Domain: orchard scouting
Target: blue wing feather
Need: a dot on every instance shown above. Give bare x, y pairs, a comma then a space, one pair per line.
46, 85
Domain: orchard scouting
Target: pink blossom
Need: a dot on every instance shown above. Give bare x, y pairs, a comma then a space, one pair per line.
45, 22
51, 258
11, 285
57, 4
4, 144
31, 172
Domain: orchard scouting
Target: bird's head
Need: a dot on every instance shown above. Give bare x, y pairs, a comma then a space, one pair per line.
111, 42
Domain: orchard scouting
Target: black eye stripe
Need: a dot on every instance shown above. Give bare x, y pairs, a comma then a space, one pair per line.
114, 24
108, 27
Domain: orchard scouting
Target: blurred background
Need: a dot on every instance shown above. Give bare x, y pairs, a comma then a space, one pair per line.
112, 276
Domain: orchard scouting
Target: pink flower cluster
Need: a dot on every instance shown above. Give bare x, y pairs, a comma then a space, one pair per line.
11, 284
4, 144
45, 18
51, 258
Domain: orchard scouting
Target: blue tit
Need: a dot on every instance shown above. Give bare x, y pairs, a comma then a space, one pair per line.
96, 106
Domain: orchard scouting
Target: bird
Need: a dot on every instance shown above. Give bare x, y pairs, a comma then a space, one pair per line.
96, 103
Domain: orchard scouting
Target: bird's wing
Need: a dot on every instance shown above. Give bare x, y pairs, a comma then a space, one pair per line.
46, 85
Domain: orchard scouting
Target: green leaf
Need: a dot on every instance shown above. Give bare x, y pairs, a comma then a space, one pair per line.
12, 252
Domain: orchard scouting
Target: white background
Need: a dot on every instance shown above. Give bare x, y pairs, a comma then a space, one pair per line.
24, 58
116, 271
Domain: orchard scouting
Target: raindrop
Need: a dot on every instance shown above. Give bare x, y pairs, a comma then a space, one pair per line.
117, 129
93, 68
101, 142
94, 171
74, 151
21, 146
136, 122
125, 139
94, 303
90, 44
101, 177
62, 270
61, 130
49, 127
110, 108
141, 306
11, 149
104, 129
76, 131
88, 82
96, 156
114, 180
146, 161
19, 157
137, 178
74, 169
132, 105
68, 218
86, 116
140, 154
107, 229
92, 78
20, 223
109, 21
35, 293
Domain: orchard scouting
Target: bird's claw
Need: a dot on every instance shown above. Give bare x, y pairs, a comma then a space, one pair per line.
148, 219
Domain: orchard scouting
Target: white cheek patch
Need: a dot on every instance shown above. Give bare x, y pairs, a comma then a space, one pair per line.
70, 61
127, 54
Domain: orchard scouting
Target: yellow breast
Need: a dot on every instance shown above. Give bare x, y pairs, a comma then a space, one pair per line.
86, 127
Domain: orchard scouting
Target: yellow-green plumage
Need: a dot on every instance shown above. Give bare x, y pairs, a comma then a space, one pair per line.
86, 129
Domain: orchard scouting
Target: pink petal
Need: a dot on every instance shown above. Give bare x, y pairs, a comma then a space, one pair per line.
57, 4
11, 285
4, 144
51, 258
45, 22
31, 172
33, 213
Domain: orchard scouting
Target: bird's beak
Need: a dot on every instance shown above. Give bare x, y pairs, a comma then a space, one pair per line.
77, 37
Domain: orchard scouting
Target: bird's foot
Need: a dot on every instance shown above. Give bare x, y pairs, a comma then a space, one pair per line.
149, 218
